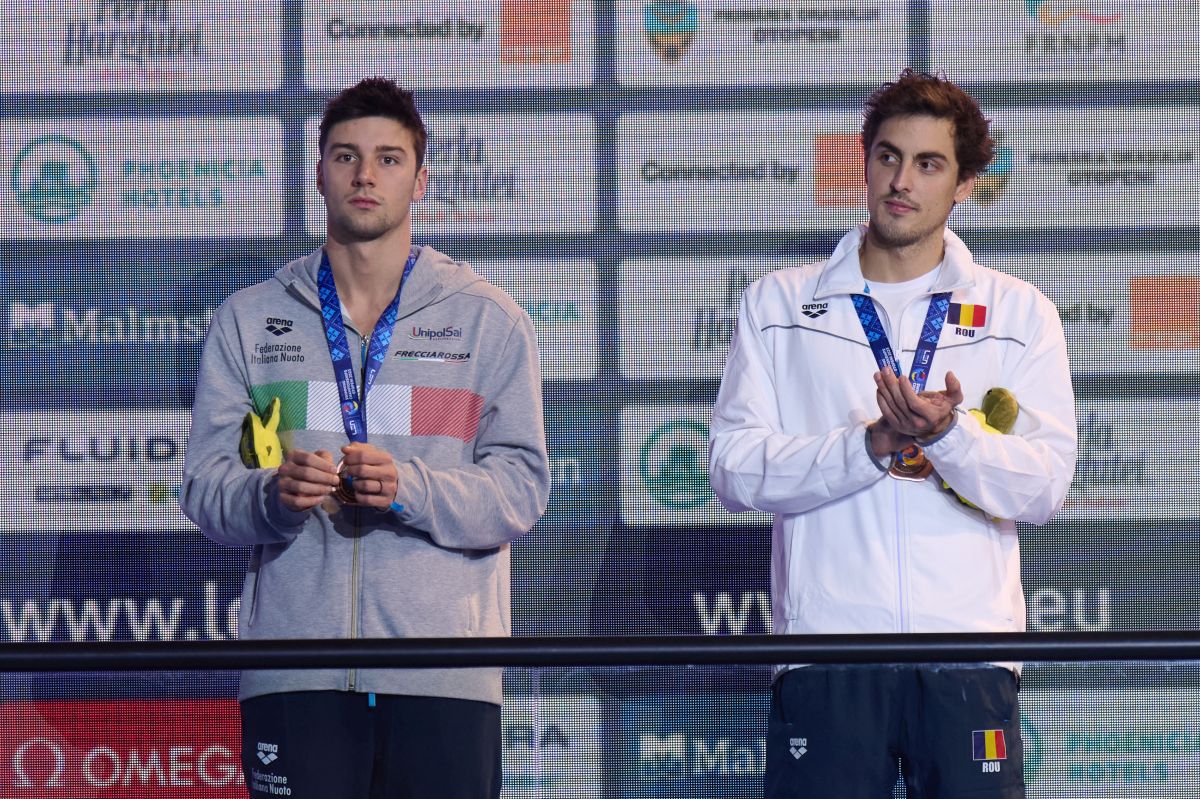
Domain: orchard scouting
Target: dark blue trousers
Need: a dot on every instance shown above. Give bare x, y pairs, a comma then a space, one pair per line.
345, 745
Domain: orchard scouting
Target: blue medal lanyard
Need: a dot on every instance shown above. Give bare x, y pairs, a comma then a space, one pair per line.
931, 331
354, 405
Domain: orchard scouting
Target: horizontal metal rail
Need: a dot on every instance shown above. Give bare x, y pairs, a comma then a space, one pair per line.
601, 651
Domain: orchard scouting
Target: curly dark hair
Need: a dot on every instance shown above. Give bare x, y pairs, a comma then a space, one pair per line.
925, 94
375, 97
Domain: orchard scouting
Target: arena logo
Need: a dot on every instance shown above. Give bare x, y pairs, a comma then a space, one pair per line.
54, 178
139, 32
670, 27
126, 771
46, 324
671, 465
684, 755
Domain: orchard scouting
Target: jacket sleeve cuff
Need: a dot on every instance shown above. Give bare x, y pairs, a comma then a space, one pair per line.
883, 467
953, 423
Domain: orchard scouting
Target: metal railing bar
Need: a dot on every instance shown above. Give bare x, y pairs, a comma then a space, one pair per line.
601, 651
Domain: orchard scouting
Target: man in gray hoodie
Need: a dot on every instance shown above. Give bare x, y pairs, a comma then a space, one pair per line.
411, 451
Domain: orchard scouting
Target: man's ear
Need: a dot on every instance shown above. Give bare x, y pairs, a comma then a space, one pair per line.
421, 184
964, 189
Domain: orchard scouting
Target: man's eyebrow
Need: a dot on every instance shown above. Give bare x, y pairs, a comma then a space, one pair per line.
887, 145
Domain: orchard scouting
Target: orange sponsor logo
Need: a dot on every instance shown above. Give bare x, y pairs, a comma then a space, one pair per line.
838, 170
1164, 312
535, 31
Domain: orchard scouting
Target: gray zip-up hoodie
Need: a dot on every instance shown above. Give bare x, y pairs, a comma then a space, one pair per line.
457, 403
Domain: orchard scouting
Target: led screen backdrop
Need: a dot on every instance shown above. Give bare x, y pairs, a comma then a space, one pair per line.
624, 170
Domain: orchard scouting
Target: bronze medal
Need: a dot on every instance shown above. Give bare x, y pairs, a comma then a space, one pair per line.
344, 493
910, 464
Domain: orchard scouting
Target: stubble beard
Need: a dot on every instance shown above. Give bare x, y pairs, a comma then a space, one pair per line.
889, 235
364, 228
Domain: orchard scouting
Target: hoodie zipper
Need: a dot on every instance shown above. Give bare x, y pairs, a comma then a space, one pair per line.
355, 554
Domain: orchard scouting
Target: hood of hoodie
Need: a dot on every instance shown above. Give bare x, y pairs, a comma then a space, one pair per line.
434, 277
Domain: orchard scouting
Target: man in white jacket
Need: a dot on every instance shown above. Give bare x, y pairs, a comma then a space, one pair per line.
895, 509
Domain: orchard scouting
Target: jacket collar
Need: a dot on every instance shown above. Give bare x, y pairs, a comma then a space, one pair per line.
843, 272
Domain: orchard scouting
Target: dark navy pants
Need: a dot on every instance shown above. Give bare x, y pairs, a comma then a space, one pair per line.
838, 731
344, 745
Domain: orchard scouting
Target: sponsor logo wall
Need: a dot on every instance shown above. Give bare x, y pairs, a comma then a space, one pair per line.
624, 171
99, 46
431, 44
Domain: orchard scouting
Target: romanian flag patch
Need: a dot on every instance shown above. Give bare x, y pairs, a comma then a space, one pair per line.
967, 315
988, 745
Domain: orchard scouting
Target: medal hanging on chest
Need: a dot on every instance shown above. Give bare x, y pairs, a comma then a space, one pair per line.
354, 404
911, 462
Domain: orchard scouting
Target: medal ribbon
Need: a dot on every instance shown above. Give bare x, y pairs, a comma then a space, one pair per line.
885, 356
354, 406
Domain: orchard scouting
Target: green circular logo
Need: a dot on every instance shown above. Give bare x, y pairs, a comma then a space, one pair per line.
54, 178
672, 464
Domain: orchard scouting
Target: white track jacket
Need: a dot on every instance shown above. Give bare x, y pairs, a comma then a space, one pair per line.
854, 550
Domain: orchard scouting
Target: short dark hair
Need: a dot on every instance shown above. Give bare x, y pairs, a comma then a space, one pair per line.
925, 94
375, 97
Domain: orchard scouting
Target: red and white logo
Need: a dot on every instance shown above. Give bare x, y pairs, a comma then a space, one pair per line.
138, 749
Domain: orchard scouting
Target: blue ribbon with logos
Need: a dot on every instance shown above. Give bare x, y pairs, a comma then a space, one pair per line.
354, 405
885, 356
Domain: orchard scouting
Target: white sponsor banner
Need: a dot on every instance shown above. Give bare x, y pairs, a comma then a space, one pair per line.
511, 173
747, 171
1088, 166
172, 178
715, 42
560, 298
1137, 460
1051, 40
678, 314
1111, 744
99, 46
428, 44
553, 746
1123, 312
98, 470
664, 469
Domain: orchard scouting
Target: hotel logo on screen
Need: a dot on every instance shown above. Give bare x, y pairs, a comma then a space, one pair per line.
133, 38
535, 31
672, 464
465, 181
54, 178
